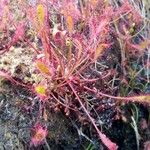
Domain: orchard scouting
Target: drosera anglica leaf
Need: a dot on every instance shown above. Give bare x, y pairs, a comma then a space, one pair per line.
43, 68
141, 46
94, 2
78, 45
99, 50
144, 44
40, 14
40, 90
39, 136
142, 98
69, 23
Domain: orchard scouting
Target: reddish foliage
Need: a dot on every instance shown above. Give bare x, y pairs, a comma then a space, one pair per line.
39, 135
78, 39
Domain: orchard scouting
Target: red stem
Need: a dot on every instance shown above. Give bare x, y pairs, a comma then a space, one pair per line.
142, 98
106, 141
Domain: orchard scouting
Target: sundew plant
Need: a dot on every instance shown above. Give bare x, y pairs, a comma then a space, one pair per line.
73, 38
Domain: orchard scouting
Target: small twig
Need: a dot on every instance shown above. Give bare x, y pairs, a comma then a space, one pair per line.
48, 147
134, 126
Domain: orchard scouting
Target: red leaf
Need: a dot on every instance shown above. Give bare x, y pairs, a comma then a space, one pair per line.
107, 142
39, 136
